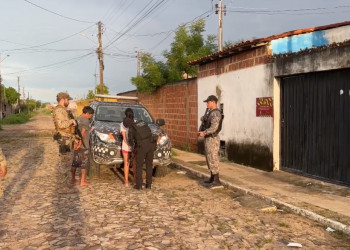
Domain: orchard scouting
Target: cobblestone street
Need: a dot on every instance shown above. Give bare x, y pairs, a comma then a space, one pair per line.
178, 213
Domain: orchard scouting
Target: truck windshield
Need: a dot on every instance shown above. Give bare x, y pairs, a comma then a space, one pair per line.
111, 113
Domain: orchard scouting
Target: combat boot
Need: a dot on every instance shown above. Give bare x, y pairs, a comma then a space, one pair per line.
216, 183
211, 179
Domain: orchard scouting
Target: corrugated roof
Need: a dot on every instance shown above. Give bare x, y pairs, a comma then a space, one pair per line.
261, 41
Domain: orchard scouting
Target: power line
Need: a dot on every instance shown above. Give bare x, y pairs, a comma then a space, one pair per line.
138, 21
52, 12
69, 61
36, 46
285, 11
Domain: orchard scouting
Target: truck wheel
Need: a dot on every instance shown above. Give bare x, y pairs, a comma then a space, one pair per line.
94, 168
160, 171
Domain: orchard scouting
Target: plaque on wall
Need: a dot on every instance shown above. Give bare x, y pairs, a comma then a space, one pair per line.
264, 107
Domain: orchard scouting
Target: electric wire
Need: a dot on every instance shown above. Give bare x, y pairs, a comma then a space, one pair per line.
52, 12
56, 41
138, 21
69, 61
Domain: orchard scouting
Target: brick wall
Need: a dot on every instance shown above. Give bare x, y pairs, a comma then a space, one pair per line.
177, 104
244, 59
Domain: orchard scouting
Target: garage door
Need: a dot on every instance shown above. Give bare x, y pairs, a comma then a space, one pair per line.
315, 124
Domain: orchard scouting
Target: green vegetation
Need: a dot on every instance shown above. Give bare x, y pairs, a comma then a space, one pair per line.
173, 153
282, 224
46, 111
17, 118
188, 45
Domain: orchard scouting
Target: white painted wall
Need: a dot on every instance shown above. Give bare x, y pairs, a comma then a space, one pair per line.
239, 90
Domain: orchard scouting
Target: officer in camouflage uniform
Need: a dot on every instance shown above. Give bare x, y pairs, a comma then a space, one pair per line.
65, 135
210, 131
2, 167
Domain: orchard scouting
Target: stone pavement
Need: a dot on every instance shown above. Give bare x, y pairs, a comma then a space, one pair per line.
320, 201
178, 213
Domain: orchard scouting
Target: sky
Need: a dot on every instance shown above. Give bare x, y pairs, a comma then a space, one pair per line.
50, 45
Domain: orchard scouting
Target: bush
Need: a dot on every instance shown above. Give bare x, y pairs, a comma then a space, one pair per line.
16, 118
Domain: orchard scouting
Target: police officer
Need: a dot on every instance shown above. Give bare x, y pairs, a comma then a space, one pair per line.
210, 131
3, 169
65, 131
140, 135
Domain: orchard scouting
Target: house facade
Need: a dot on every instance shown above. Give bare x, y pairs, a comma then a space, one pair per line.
286, 100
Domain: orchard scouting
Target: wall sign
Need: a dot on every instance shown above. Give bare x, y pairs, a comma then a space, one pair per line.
264, 107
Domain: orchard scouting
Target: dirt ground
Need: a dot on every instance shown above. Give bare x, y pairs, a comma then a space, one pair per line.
236, 220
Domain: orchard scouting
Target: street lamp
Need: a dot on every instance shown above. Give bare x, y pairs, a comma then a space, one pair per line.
0, 85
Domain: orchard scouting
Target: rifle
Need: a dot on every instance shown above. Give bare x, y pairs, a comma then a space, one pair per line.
76, 129
204, 120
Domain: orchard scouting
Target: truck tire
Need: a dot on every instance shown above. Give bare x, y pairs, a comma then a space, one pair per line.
94, 168
160, 171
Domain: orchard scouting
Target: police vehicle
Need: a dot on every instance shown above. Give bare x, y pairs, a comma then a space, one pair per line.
106, 139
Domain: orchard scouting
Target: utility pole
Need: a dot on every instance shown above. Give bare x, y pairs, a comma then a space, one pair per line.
0, 89
219, 11
94, 89
100, 55
1, 85
139, 56
19, 97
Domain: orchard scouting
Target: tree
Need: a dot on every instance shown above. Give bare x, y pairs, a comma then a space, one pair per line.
12, 95
151, 77
31, 105
188, 45
105, 89
90, 95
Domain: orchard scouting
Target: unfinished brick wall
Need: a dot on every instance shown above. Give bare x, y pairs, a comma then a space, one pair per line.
177, 104
239, 60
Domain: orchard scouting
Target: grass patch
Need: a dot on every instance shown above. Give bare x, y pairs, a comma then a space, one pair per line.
173, 153
16, 118
340, 235
186, 148
46, 112
267, 240
282, 224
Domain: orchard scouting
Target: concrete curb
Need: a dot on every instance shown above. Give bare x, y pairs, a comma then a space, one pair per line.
297, 210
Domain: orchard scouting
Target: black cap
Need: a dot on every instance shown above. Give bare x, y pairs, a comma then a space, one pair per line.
211, 98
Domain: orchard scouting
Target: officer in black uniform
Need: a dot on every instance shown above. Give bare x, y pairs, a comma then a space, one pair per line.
140, 136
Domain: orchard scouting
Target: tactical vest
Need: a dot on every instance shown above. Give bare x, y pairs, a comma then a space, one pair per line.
207, 122
63, 131
142, 132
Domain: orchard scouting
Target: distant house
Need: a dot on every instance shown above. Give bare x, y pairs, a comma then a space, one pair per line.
286, 100
6, 109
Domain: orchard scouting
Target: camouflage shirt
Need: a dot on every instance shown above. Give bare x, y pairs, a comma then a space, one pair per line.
62, 121
2, 159
214, 121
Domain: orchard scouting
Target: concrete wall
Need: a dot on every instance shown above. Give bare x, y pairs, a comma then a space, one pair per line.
237, 81
310, 40
318, 60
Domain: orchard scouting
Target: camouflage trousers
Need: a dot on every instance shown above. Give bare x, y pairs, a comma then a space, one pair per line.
212, 147
64, 170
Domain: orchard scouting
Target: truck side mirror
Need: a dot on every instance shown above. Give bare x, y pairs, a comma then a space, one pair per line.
160, 122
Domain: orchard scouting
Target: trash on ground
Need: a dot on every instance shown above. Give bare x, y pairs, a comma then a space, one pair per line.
280, 210
269, 209
181, 172
329, 229
294, 244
